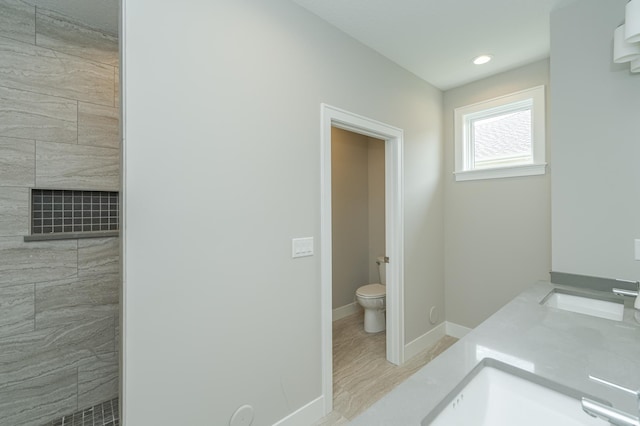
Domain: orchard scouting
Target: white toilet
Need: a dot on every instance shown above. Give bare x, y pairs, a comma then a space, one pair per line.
372, 298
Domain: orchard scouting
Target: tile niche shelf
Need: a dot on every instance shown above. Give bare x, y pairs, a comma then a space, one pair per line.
70, 214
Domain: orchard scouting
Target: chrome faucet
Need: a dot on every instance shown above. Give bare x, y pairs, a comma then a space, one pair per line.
610, 414
632, 293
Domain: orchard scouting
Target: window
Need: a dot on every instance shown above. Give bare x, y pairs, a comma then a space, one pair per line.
501, 137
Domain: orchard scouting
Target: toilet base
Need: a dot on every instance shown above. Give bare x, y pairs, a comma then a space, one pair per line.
374, 320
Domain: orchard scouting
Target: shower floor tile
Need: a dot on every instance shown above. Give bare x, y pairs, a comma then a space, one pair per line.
105, 414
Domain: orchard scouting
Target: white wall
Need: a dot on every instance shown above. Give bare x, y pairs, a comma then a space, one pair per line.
596, 181
497, 231
222, 168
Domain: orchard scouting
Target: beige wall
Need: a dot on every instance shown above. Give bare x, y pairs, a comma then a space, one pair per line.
58, 299
596, 180
235, 138
497, 231
376, 168
349, 214
357, 204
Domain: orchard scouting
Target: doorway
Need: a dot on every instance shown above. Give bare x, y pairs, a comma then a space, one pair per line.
393, 144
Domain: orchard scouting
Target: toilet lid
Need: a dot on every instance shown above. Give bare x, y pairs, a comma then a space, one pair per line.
371, 290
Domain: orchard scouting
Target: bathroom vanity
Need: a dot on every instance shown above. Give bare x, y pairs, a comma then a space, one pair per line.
536, 333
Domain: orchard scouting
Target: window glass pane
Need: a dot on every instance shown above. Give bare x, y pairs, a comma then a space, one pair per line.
502, 139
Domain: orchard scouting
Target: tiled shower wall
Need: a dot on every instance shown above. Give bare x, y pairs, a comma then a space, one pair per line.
58, 299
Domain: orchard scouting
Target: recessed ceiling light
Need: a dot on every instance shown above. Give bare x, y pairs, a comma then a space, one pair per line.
482, 59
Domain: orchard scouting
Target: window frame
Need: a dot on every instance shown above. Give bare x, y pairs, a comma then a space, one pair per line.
463, 116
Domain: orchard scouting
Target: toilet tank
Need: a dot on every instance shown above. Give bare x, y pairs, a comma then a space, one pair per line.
382, 270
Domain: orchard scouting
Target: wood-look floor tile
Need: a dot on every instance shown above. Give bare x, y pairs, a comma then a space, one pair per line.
361, 373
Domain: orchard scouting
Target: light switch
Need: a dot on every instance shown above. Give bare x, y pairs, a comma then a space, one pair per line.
301, 247
637, 250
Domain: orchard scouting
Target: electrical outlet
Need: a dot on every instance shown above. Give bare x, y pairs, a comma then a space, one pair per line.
637, 249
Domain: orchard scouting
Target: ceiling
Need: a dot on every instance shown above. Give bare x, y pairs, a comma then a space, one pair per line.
437, 39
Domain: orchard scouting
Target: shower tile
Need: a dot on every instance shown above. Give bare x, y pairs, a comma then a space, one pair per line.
36, 401
66, 302
17, 20
37, 261
16, 309
104, 414
31, 115
98, 125
97, 379
58, 32
98, 256
28, 67
17, 162
44, 352
78, 167
117, 88
14, 211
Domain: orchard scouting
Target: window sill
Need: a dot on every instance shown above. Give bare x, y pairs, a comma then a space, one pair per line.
502, 172
70, 235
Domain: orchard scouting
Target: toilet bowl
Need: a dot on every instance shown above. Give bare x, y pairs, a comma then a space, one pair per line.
372, 298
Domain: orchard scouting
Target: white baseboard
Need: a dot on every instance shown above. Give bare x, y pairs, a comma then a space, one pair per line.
457, 331
346, 310
304, 415
423, 342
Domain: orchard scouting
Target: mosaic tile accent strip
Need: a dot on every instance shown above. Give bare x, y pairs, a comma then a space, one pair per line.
59, 211
104, 414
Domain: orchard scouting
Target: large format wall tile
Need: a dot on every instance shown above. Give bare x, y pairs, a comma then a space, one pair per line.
98, 125
17, 162
16, 309
65, 166
34, 402
98, 256
27, 67
31, 115
97, 380
117, 88
36, 261
14, 211
58, 32
68, 301
17, 20
42, 352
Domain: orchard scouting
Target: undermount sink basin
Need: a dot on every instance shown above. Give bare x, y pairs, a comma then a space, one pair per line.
498, 394
602, 307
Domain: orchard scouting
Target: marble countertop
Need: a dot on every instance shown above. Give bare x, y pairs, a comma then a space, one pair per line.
561, 346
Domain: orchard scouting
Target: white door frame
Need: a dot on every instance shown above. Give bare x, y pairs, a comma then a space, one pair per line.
394, 218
